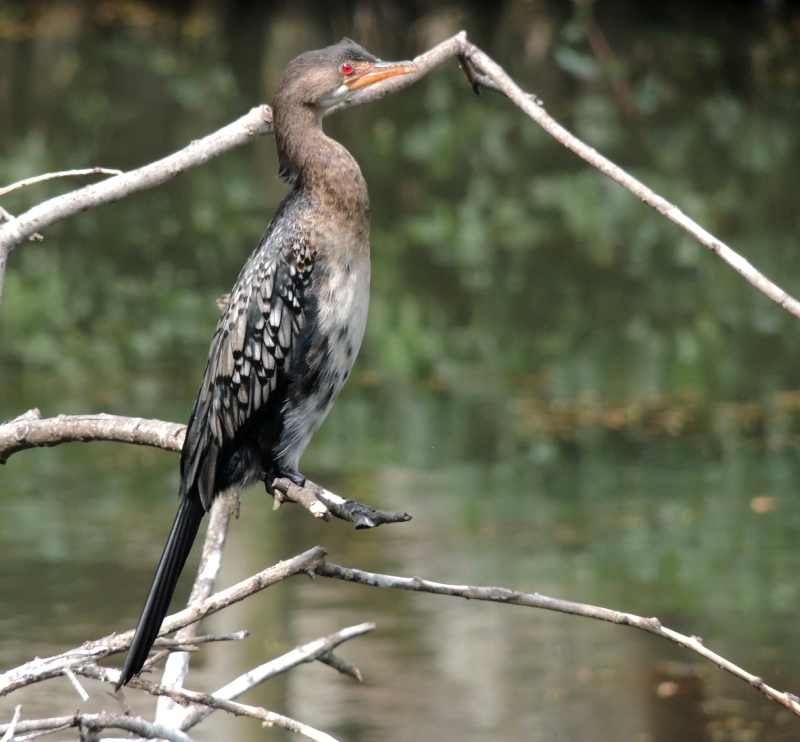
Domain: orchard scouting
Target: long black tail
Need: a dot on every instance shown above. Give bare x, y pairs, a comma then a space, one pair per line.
179, 544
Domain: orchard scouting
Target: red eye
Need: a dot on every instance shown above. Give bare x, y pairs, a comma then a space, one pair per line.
347, 69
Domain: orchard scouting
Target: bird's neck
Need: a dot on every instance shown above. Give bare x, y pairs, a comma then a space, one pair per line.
317, 164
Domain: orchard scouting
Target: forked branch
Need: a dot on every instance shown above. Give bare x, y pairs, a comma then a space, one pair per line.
482, 71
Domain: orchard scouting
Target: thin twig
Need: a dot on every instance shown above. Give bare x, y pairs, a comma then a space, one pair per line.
5, 190
314, 650
165, 647
44, 733
176, 645
267, 718
585, 610
43, 668
79, 689
96, 722
12, 725
341, 665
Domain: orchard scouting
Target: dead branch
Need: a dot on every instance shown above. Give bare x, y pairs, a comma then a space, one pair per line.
5, 190
81, 660
314, 650
322, 503
491, 75
12, 725
481, 70
584, 610
43, 668
31, 430
267, 718
256, 121
176, 645
95, 722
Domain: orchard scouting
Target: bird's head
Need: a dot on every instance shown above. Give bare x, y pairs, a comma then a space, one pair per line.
330, 77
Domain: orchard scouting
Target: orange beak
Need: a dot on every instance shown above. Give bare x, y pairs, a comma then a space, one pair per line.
378, 71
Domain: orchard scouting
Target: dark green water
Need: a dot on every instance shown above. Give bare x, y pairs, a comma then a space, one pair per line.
568, 394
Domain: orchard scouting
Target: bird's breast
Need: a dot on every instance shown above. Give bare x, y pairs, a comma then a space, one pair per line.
338, 304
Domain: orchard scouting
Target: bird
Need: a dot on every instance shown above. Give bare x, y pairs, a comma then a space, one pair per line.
285, 343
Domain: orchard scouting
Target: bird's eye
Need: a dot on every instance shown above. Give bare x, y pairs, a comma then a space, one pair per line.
347, 68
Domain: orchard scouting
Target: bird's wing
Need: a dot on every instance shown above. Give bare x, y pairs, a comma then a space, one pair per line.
248, 357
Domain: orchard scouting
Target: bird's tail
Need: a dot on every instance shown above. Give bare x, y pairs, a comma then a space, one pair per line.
179, 544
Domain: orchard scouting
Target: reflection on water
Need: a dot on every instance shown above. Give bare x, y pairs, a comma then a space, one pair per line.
568, 396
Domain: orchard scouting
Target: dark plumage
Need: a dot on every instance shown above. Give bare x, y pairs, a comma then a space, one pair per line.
293, 323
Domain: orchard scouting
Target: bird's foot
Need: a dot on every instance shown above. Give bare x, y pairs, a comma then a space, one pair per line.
294, 476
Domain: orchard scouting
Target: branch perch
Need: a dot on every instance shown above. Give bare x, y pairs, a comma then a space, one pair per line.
31, 430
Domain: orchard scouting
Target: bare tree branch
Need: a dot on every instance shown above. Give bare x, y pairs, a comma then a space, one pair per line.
12, 725
43, 668
341, 666
96, 722
5, 190
176, 645
257, 121
314, 650
31, 430
7, 216
492, 75
322, 503
165, 647
536, 600
76, 684
481, 70
267, 718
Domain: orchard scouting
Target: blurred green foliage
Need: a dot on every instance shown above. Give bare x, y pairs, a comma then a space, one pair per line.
500, 261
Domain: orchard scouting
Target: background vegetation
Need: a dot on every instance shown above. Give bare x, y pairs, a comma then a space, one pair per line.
568, 393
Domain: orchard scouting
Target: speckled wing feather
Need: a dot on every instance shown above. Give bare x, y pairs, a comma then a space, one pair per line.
249, 354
